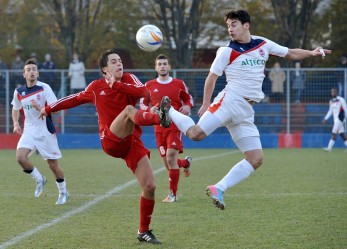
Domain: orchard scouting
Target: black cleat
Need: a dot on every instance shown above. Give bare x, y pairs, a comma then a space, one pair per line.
148, 237
164, 117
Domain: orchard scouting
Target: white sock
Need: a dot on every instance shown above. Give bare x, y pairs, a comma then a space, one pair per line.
331, 144
61, 186
183, 122
36, 175
345, 143
237, 174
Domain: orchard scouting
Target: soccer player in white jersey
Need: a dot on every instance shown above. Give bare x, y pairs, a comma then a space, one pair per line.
37, 133
338, 109
243, 62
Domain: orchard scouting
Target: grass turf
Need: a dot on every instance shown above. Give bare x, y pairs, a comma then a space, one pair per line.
297, 199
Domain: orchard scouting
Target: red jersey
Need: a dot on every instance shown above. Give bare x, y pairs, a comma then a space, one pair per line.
175, 89
109, 102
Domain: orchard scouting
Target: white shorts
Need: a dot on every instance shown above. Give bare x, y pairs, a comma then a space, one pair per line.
338, 127
46, 145
232, 111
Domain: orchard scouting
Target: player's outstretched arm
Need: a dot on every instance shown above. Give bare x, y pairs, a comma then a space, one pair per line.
299, 54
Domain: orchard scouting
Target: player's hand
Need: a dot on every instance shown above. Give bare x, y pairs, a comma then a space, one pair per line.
185, 109
43, 113
110, 79
203, 109
35, 104
17, 129
324, 121
321, 52
155, 109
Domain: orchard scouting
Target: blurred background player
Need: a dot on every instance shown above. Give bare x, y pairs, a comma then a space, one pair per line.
169, 140
37, 133
115, 96
243, 62
338, 109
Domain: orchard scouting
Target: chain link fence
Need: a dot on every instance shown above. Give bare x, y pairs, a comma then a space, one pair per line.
290, 106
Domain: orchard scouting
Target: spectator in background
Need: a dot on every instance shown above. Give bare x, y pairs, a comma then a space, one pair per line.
76, 74
48, 64
341, 75
298, 78
3, 66
33, 56
17, 77
277, 77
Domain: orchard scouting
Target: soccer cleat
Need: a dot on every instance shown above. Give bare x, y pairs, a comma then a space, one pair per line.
327, 149
186, 170
62, 198
216, 195
170, 198
164, 117
148, 237
39, 187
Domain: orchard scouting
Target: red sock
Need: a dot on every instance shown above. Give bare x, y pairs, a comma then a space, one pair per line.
146, 118
146, 210
174, 177
182, 163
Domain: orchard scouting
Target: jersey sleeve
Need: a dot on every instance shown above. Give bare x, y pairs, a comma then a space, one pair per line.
185, 96
131, 86
16, 103
275, 49
73, 100
50, 96
221, 61
330, 112
344, 106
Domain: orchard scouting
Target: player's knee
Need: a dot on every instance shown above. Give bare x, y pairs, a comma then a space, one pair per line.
256, 161
195, 133
128, 109
21, 159
150, 188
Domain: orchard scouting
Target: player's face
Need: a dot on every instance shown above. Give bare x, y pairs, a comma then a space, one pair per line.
30, 72
162, 67
115, 66
237, 30
333, 93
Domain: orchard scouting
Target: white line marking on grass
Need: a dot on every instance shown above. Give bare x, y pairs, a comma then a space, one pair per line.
89, 204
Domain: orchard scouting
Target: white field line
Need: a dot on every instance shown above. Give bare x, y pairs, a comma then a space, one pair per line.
91, 203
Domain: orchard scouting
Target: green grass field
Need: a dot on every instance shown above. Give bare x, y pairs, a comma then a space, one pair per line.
297, 199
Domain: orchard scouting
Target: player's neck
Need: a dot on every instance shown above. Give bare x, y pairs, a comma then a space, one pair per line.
164, 78
31, 83
246, 38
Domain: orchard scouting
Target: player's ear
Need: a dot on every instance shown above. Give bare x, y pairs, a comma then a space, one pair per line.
104, 70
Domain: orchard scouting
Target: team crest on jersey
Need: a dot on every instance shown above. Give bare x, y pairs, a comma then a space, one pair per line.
262, 52
38, 97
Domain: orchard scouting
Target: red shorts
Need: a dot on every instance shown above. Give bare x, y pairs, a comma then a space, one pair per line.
130, 149
169, 139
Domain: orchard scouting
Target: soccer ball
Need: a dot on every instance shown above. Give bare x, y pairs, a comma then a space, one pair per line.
149, 38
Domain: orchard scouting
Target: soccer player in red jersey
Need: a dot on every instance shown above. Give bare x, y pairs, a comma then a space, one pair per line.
169, 140
115, 96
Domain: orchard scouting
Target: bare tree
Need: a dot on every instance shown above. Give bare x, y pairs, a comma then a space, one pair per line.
294, 17
74, 19
180, 20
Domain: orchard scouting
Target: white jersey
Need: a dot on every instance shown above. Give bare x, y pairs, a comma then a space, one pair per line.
244, 65
337, 108
44, 95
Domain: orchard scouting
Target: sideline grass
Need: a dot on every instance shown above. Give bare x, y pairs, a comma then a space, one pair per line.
297, 199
